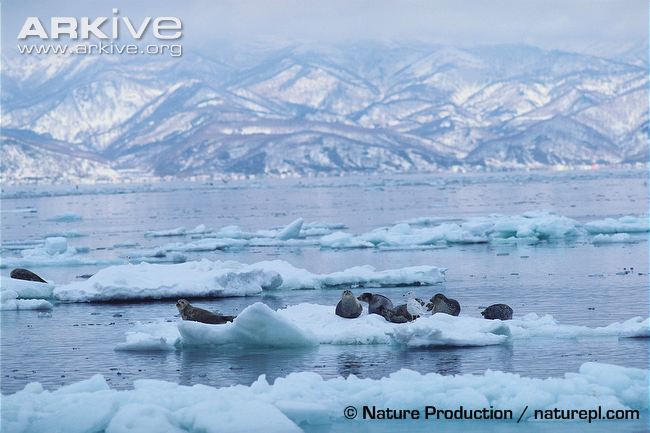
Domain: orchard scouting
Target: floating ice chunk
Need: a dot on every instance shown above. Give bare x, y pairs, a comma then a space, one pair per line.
161, 281
200, 229
208, 244
217, 279
178, 231
612, 239
66, 218
57, 245
66, 234
27, 289
361, 276
291, 231
626, 224
308, 400
9, 301
344, 240
152, 337
256, 326
54, 252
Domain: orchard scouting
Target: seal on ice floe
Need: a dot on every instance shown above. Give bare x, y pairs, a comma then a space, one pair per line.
399, 314
497, 311
200, 315
348, 307
24, 274
442, 304
376, 302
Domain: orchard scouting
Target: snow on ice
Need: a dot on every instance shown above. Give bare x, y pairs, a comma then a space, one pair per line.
305, 400
207, 278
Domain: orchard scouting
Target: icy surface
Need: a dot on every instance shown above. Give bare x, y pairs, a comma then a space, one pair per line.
27, 289
9, 301
66, 218
306, 399
55, 251
612, 239
207, 278
158, 281
626, 224
311, 324
529, 227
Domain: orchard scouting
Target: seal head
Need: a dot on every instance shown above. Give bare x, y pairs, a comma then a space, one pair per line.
376, 302
442, 304
348, 307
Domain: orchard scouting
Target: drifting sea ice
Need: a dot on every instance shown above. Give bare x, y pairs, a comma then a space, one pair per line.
9, 301
312, 324
307, 400
207, 278
613, 239
66, 218
53, 252
530, 227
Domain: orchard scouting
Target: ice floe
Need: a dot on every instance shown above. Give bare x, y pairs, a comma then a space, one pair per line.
418, 233
27, 289
626, 224
9, 301
207, 278
158, 281
307, 401
178, 231
529, 227
613, 239
66, 218
312, 324
54, 251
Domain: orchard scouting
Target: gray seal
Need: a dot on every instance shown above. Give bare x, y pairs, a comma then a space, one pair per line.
195, 314
442, 304
376, 302
348, 307
497, 311
399, 314
27, 275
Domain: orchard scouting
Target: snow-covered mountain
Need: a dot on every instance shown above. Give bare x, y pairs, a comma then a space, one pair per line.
303, 110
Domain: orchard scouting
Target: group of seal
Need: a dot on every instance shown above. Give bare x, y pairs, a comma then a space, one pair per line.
349, 307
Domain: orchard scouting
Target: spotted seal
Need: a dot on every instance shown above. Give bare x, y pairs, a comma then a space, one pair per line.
497, 311
188, 312
376, 302
348, 307
442, 304
27, 275
399, 314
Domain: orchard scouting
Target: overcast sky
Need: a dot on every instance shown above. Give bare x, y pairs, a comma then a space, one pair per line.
563, 24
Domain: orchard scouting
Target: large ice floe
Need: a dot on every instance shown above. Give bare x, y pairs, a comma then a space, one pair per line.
312, 324
9, 301
53, 251
529, 227
296, 233
207, 278
307, 402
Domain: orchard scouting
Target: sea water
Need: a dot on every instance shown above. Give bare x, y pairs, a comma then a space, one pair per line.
572, 279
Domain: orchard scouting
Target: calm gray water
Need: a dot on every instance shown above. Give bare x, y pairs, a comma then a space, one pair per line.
562, 278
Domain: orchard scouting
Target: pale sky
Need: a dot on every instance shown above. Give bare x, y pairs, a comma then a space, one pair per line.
561, 24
